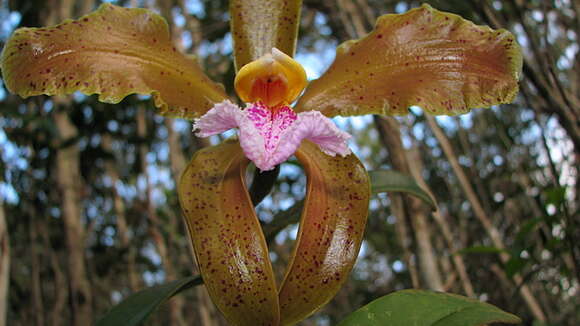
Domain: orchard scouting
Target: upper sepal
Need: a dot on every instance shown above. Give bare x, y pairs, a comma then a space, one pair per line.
425, 57
258, 26
112, 52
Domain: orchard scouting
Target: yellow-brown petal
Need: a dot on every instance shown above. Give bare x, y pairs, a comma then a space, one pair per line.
227, 238
428, 58
258, 26
112, 52
330, 235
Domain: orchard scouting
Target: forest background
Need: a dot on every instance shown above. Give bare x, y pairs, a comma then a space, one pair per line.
89, 211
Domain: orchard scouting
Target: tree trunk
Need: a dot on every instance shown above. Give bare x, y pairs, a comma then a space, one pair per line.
403, 237
37, 301
69, 184
416, 166
60, 282
121, 219
414, 209
85, 6
176, 304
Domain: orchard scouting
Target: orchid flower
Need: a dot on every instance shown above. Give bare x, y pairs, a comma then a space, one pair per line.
435, 60
270, 131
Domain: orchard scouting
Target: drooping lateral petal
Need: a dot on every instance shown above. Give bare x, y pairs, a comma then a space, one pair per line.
436, 60
229, 244
330, 234
258, 26
112, 52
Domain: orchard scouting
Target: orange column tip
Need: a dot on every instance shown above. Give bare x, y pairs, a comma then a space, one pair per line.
274, 79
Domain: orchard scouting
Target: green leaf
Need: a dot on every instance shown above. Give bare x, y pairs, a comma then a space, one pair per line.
515, 265
136, 308
393, 181
555, 195
480, 250
424, 308
527, 228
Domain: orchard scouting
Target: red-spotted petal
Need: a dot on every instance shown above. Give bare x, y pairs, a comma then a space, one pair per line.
112, 52
425, 57
229, 244
330, 235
